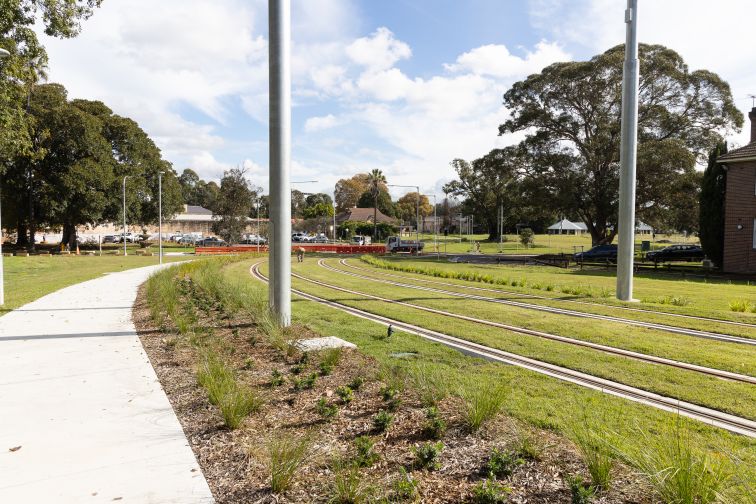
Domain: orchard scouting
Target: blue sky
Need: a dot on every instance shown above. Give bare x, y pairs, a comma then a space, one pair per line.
401, 85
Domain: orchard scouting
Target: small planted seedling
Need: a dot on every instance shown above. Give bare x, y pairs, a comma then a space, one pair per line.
277, 378
581, 492
327, 411
356, 383
426, 455
405, 487
248, 364
382, 421
434, 426
345, 394
490, 491
501, 464
305, 383
364, 455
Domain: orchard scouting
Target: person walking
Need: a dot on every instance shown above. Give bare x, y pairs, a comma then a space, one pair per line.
300, 254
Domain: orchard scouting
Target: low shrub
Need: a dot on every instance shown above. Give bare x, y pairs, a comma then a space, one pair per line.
345, 393
426, 455
382, 420
527, 446
405, 487
305, 383
581, 492
490, 491
595, 449
329, 361
234, 400
248, 364
434, 426
356, 383
501, 464
741, 305
365, 455
327, 411
286, 453
276, 378
481, 404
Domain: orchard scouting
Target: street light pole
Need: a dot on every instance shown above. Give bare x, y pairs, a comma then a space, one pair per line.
279, 75
160, 216
124, 215
628, 153
435, 227
3, 54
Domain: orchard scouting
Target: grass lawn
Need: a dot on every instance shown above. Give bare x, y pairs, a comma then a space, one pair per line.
733, 397
720, 355
533, 398
544, 243
28, 278
702, 297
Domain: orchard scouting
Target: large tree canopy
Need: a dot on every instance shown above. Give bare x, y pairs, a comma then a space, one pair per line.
570, 113
407, 207
233, 205
489, 184
72, 174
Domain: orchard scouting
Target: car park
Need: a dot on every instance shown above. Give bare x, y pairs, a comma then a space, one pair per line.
598, 253
253, 239
686, 253
319, 238
211, 241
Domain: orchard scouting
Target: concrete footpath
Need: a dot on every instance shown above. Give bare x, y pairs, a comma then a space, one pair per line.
83, 417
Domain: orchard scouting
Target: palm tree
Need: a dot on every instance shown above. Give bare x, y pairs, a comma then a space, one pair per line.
376, 178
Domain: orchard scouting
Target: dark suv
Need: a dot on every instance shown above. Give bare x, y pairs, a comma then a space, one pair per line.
677, 253
598, 253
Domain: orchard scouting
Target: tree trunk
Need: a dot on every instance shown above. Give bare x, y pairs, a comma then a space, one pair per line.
21, 238
69, 236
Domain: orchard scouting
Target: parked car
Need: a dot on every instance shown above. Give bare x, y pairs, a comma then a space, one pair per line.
598, 253
110, 239
677, 253
188, 239
128, 237
299, 237
211, 241
253, 239
319, 238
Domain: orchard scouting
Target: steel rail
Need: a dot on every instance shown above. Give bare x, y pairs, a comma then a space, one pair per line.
709, 416
554, 337
546, 298
562, 311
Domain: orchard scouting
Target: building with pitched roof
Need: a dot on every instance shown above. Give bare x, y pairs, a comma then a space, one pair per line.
363, 215
740, 206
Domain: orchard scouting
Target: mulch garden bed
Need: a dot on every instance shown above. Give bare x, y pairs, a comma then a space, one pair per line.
234, 461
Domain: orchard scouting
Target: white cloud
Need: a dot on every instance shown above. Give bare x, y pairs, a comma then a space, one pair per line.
314, 124
708, 36
379, 51
497, 61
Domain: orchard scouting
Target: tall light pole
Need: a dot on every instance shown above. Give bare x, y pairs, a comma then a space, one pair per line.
124, 215
3, 54
279, 78
628, 152
417, 210
160, 215
435, 227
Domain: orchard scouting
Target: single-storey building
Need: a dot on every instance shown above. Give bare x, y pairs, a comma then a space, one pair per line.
740, 206
565, 226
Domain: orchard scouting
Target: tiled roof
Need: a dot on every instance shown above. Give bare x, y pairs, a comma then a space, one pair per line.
362, 214
745, 152
197, 210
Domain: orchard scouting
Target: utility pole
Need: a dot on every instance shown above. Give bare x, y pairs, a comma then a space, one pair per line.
160, 215
124, 215
3, 54
279, 75
628, 152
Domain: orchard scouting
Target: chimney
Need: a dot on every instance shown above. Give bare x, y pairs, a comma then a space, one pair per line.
752, 117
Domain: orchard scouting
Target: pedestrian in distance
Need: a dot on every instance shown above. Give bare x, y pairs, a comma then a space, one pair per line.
300, 254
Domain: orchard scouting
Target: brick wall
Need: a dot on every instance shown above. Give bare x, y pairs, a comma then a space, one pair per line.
740, 210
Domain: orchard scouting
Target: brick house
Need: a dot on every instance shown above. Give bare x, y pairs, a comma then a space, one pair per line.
740, 206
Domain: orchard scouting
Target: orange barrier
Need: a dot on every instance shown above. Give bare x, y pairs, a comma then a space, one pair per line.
338, 249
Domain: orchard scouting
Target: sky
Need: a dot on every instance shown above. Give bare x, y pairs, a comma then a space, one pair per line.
405, 86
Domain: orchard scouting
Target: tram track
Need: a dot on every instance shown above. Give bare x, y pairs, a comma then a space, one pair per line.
573, 301
554, 310
709, 416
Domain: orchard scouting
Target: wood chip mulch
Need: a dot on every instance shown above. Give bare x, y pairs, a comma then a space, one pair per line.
234, 461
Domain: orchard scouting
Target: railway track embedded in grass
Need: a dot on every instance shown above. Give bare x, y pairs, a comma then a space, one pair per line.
709, 416
549, 309
546, 298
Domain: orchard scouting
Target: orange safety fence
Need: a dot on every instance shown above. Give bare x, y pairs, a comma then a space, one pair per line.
338, 249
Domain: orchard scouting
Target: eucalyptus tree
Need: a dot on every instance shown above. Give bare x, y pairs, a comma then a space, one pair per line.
570, 115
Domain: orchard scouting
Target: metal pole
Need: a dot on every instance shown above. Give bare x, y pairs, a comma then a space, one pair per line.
258, 224
435, 228
628, 152
417, 221
3, 54
279, 49
124, 215
160, 216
